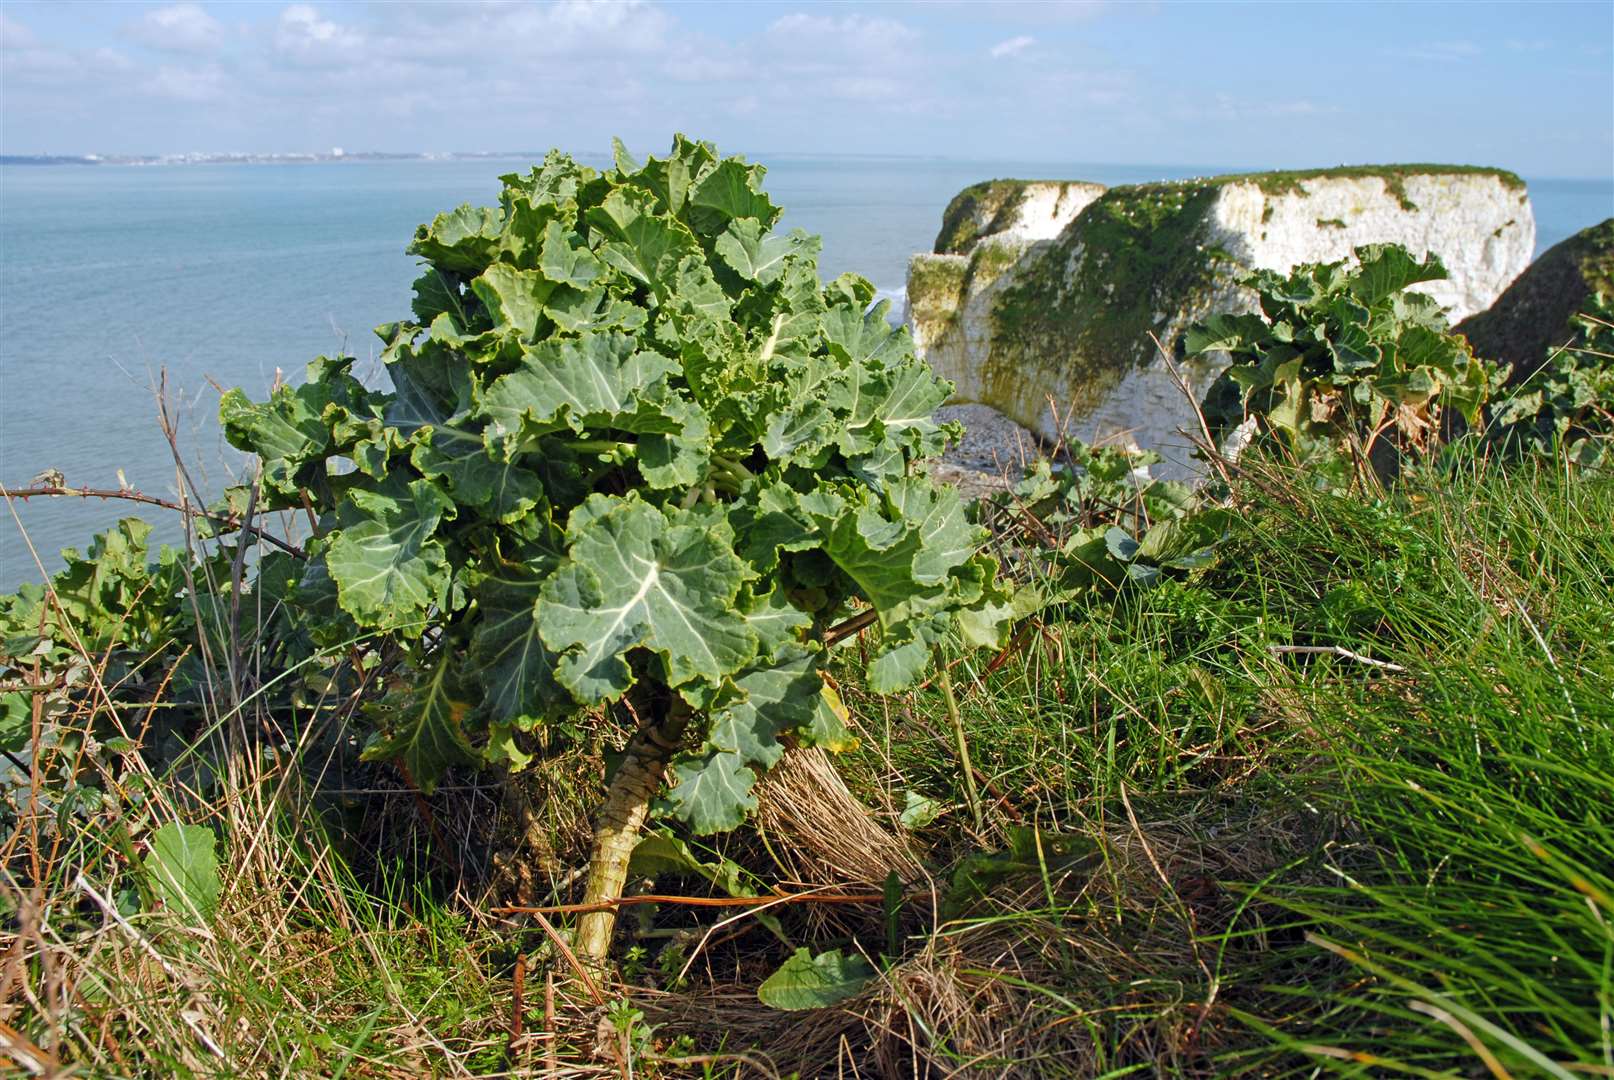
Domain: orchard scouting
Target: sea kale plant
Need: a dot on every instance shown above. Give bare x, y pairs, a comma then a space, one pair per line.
636, 455
1343, 365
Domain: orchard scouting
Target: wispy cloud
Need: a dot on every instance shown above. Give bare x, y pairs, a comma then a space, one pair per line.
1012, 47
178, 28
1440, 52
306, 35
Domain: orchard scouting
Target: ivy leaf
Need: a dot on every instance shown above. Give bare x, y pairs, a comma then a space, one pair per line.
1225, 333
423, 729
859, 337
730, 190
639, 239
946, 538
899, 404
636, 577
918, 810
1389, 268
565, 263
463, 239
676, 459
16, 720
436, 294
580, 312
460, 458
387, 570
513, 298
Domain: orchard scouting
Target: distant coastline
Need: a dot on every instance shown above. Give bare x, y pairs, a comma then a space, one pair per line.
332, 156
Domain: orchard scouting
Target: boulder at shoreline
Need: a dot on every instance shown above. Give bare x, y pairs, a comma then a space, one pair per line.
1532, 316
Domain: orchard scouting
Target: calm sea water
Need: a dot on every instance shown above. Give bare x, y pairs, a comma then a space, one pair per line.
223, 274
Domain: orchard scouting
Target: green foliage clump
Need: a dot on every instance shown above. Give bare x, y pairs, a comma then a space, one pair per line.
109, 628
1568, 402
634, 450
1096, 521
1342, 363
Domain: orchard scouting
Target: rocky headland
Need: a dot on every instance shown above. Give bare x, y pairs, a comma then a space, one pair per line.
1058, 303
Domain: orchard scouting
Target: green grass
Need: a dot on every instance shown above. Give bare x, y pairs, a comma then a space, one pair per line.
1474, 874
1204, 853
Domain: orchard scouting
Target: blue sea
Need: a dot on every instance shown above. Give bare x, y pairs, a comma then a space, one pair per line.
225, 275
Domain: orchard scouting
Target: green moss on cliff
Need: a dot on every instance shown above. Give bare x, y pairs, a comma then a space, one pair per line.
1130, 262
1288, 182
1597, 257
936, 292
990, 201
984, 208
1136, 253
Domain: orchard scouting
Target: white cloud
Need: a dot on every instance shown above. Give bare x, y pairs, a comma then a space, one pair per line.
1013, 47
525, 31
178, 28
305, 35
870, 60
861, 33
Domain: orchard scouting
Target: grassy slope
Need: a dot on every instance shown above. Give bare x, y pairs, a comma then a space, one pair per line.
1244, 859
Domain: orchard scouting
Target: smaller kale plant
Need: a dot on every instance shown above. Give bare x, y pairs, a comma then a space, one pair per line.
1092, 520
1568, 402
1342, 367
110, 629
635, 457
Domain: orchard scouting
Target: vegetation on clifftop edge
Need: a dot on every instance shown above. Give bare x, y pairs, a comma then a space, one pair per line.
1288, 812
1297, 773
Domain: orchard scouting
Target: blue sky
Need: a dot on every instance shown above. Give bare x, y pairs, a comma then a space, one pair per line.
1525, 86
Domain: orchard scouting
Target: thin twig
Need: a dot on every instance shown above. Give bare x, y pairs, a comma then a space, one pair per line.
715, 927
694, 901
518, 1004
846, 629
131, 495
551, 1052
571, 958
1334, 650
1212, 452
961, 743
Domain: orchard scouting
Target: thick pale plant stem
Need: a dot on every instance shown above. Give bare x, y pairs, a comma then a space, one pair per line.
621, 819
944, 679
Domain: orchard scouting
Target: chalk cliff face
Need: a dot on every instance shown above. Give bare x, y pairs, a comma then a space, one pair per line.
1041, 297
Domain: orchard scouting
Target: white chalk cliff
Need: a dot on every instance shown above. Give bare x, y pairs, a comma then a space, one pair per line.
1042, 296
